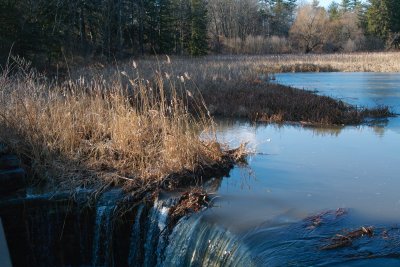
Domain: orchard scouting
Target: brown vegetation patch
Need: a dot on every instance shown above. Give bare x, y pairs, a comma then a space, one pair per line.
300, 67
91, 132
307, 68
239, 86
276, 103
342, 62
192, 201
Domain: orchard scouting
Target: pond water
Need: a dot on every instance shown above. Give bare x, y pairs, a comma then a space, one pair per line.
298, 171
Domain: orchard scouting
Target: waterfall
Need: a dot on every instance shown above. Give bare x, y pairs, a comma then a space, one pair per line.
102, 236
116, 232
155, 234
196, 242
57, 232
135, 238
104, 229
193, 241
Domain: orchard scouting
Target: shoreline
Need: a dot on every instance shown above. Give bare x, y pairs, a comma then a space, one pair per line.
164, 101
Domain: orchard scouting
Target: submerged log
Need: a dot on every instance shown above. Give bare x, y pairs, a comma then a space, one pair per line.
346, 239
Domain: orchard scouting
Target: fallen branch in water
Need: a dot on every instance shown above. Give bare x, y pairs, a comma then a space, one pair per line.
345, 240
316, 220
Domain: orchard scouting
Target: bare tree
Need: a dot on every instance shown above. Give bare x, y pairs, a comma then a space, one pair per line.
310, 30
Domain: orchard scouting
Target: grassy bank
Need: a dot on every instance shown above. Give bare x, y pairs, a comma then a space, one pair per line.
354, 62
95, 133
239, 86
148, 124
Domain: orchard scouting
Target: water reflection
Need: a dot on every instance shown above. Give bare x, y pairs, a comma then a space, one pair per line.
360, 89
298, 171
366, 89
312, 169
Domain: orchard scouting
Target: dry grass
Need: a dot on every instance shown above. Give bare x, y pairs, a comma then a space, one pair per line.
238, 86
230, 66
354, 62
148, 126
92, 132
276, 103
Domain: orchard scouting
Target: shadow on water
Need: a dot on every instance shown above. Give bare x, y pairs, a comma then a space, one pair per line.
115, 232
313, 241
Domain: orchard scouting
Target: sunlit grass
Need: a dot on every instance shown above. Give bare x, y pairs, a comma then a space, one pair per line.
241, 87
96, 132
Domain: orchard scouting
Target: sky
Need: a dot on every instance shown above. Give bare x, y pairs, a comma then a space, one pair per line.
326, 3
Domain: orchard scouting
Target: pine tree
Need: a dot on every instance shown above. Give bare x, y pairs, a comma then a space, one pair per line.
345, 5
355, 4
166, 27
151, 24
394, 15
378, 18
333, 11
198, 39
182, 25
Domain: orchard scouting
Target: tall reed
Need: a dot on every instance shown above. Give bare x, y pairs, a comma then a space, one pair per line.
92, 131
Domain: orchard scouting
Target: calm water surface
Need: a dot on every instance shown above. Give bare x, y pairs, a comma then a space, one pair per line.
298, 171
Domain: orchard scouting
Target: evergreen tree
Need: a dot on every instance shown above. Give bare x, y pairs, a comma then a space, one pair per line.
333, 11
198, 39
282, 16
166, 27
182, 25
383, 18
355, 4
151, 24
394, 15
346, 5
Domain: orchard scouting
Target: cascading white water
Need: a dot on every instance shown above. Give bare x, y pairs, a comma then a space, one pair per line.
135, 238
103, 233
102, 236
195, 242
153, 242
155, 234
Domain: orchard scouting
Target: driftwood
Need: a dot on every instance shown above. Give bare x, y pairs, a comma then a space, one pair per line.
345, 240
316, 220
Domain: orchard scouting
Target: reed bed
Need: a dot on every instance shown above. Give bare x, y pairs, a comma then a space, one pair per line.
94, 133
354, 62
281, 104
216, 67
240, 86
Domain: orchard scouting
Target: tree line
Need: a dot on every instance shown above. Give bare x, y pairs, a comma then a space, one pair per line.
349, 26
47, 30
52, 29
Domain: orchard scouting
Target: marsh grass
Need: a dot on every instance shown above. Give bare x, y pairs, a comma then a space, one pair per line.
353, 62
94, 133
241, 87
148, 124
280, 104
